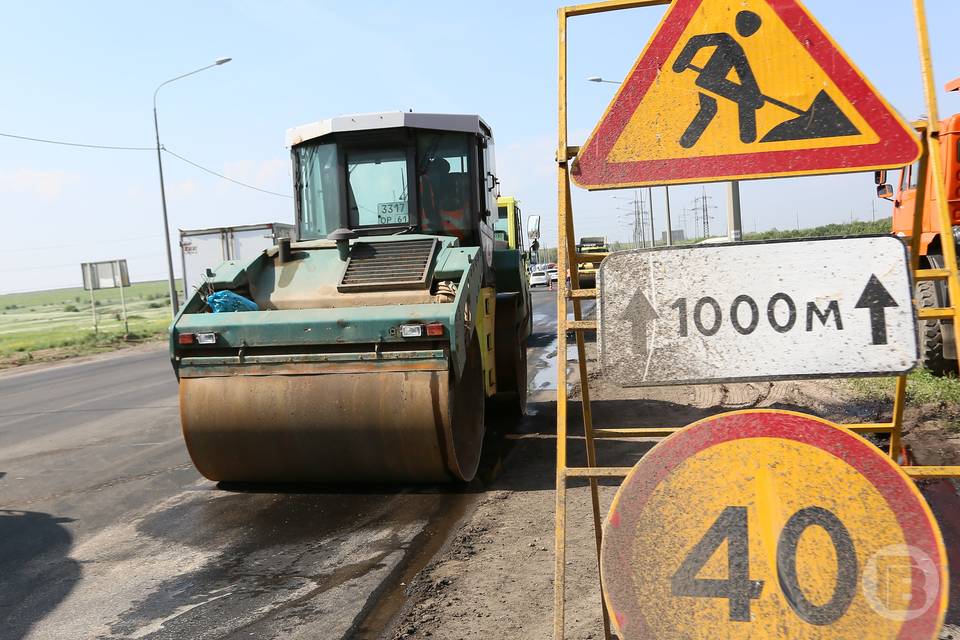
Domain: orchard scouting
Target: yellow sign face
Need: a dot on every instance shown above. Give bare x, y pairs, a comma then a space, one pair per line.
738, 89
771, 525
791, 78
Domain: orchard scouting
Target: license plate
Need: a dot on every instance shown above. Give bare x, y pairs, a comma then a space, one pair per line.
392, 213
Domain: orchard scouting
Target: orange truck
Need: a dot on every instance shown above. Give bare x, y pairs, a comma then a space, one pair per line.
937, 345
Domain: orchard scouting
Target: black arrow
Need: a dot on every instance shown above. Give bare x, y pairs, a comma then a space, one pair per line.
638, 313
876, 298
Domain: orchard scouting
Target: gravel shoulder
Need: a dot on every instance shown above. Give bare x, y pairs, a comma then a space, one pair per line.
57, 358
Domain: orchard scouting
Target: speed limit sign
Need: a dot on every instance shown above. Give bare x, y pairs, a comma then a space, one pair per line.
771, 524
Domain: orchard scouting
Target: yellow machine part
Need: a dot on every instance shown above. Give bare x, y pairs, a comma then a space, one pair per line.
511, 205
486, 314
399, 425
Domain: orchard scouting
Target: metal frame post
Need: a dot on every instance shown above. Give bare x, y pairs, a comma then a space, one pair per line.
653, 235
666, 195
734, 229
935, 164
123, 304
93, 310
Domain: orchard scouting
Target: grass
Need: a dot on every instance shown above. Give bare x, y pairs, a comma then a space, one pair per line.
62, 319
857, 228
922, 388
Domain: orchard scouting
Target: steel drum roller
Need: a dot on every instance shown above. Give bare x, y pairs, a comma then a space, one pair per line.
395, 426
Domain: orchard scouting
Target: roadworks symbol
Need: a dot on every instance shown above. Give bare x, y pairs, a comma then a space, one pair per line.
823, 119
740, 89
720, 93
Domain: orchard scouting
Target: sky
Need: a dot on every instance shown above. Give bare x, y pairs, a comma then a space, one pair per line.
86, 73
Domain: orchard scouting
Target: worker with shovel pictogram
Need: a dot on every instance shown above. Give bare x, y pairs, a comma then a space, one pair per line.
823, 119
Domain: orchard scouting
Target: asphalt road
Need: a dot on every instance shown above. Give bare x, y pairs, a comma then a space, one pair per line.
107, 530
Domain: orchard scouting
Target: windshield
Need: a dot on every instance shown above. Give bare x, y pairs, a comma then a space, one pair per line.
319, 190
377, 187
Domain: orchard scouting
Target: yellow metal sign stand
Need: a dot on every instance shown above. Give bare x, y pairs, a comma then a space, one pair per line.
569, 261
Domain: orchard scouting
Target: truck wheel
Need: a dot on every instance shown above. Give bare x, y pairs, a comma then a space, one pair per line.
511, 356
931, 333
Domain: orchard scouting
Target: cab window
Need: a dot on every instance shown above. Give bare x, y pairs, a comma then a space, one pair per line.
319, 190
377, 187
517, 217
443, 181
501, 228
908, 177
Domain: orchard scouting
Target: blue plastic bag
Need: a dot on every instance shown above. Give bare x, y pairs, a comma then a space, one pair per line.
224, 301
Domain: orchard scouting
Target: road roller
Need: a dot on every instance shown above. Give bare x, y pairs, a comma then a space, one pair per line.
594, 245
369, 347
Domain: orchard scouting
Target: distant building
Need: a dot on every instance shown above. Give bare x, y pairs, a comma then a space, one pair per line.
677, 235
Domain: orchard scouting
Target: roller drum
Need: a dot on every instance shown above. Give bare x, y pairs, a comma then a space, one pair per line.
392, 426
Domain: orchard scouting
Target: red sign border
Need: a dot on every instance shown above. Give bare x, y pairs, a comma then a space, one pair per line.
912, 512
898, 145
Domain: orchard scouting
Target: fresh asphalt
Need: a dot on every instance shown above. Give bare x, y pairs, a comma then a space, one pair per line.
108, 531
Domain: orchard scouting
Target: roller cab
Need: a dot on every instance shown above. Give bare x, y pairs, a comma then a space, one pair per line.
380, 334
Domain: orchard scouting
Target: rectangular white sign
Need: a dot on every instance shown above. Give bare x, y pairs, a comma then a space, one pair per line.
757, 311
105, 275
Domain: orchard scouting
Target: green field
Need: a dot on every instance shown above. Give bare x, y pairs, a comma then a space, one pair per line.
61, 319
923, 388
857, 228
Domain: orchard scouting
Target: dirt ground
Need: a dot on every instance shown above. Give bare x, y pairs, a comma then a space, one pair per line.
494, 579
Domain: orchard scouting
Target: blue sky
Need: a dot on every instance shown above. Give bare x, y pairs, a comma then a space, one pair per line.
86, 72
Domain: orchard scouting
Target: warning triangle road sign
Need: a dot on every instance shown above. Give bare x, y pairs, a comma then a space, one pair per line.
740, 89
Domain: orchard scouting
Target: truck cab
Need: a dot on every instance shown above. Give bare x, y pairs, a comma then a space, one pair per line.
905, 195
937, 340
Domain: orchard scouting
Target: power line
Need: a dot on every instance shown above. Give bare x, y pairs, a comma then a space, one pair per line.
78, 144
220, 175
83, 244
50, 267
120, 148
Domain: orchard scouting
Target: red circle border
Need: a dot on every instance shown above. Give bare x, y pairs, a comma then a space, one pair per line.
913, 515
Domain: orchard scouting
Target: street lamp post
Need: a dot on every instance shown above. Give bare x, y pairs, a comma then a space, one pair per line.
174, 299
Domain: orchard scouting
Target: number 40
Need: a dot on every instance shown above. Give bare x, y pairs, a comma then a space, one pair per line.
739, 589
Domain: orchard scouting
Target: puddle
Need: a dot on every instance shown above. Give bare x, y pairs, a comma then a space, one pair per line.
543, 350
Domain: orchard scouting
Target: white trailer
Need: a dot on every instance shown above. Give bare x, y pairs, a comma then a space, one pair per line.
202, 249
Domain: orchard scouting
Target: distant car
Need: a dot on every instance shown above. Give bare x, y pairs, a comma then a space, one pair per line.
554, 274
538, 278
